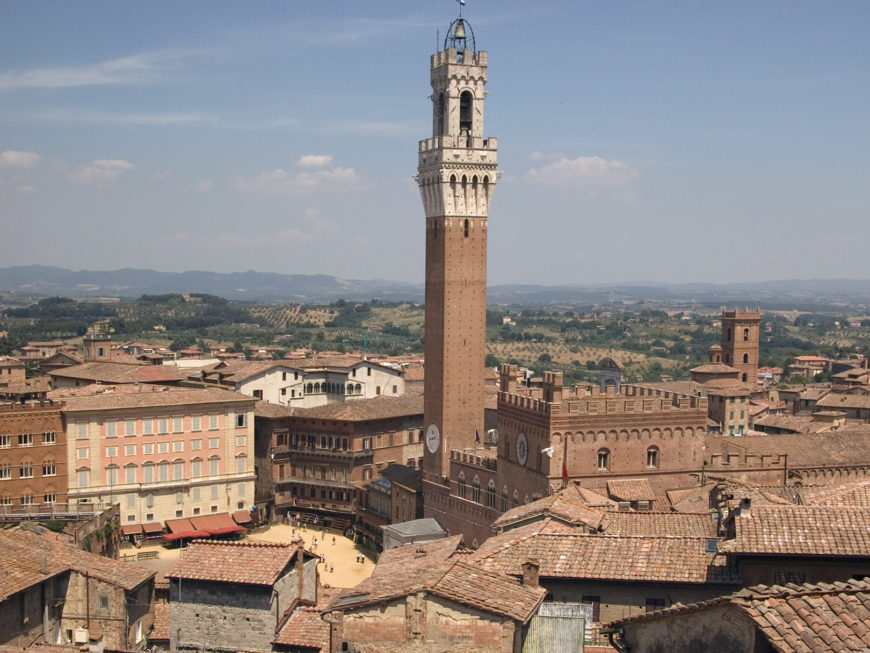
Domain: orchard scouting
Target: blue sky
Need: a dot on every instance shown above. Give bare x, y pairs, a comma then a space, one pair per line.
640, 141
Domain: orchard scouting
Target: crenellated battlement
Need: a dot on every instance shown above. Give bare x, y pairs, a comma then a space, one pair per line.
579, 401
452, 56
468, 458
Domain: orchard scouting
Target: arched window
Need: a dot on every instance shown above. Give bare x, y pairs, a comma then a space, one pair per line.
504, 499
358, 389
460, 486
214, 465
475, 490
163, 470
466, 227
745, 335
241, 463
316, 388
350, 388
466, 104
130, 473
177, 469
652, 457
309, 388
603, 460
490, 494
745, 358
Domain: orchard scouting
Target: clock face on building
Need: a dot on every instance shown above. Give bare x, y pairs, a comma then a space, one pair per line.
433, 438
522, 449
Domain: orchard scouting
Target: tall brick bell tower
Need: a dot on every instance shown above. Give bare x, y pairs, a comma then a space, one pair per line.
457, 173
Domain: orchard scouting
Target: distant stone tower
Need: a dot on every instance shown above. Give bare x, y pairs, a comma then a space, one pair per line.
457, 174
740, 338
98, 346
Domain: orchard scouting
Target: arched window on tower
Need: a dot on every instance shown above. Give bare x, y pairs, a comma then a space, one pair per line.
745, 358
475, 490
466, 104
652, 457
466, 227
440, 111
745, 335
460, 485
603, 460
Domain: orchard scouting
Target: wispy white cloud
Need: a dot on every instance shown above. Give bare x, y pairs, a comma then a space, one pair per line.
101, 170
142, 68
583, 170
315, 227
18, 159
204, 185
314, 160
103, 117
283, 181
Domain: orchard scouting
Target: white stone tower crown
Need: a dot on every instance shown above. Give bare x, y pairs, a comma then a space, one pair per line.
458, 167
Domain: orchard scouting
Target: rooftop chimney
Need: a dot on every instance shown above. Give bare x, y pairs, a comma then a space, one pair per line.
531, 572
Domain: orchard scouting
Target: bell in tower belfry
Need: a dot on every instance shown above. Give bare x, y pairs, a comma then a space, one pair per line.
457, 173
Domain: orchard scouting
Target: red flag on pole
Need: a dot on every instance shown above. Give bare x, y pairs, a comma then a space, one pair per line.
565, 472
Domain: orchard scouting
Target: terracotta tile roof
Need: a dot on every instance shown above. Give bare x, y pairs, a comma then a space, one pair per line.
814, 393
454, 579
630, 489
839, 401
36, 384
837, 447
112, 372
607, 557
794, 423
248, 562
335, 362
856, 495
715, 368
401, 557
802, 530
24, 548
658, 523
807, 618
727, 388
101, 397
238, 371
270, 410
304, 628
567, 505
358, 410
160, 630
691, 499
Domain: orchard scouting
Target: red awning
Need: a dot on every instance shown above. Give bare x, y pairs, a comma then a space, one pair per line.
183, 528
217, 524
153, 527
131, 529
242, 516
